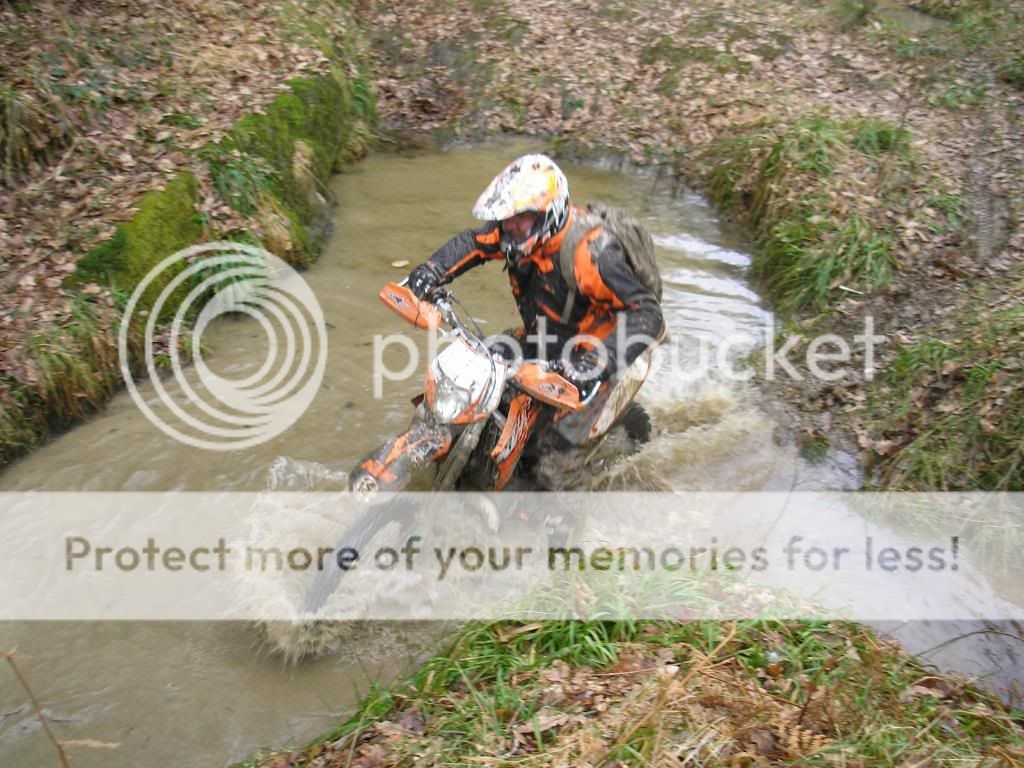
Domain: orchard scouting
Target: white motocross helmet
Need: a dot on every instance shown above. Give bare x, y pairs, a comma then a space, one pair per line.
529, 183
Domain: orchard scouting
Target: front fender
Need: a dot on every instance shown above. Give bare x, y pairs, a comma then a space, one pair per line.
391, 465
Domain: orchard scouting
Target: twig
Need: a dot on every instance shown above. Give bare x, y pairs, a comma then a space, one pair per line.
703, 662
958, 638
504, 636
9, 656
33, 188
5, 715
806, 705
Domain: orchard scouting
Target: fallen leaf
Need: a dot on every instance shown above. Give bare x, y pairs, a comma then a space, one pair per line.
90, 744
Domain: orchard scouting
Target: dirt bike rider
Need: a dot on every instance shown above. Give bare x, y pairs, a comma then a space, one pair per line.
528, 217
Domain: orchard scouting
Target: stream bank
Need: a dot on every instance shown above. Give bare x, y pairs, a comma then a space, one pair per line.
245, 158
607, 693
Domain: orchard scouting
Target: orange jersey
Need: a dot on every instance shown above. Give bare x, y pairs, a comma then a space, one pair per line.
609, 293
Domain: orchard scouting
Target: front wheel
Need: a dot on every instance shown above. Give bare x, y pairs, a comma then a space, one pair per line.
391, 521
480, 472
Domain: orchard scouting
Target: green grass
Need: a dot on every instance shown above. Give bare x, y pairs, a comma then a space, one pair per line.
977, 23
76, 363
495, 680
915, 48
814, 448
959, 406
238, 177
954, 214
874, 136
72, 370
1012, 72
958, 95
803, 264
181, 120
779, 178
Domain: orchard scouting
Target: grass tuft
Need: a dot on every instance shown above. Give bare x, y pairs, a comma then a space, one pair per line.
239, 177
850, 14
1012, 72
875, 137
76, 364
955, 406
810, 240
30, 131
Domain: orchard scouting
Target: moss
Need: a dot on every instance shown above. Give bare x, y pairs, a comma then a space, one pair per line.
666, 50
290, 151
165, 223
726, 62
317, 112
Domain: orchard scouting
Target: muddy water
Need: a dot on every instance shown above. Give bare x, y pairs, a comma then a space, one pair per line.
200, 695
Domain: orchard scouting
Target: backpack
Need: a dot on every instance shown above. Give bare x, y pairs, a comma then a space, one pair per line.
636, 242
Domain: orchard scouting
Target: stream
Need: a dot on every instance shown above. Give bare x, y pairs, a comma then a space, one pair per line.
206, 694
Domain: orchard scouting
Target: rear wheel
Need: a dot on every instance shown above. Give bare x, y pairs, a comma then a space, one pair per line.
637, 423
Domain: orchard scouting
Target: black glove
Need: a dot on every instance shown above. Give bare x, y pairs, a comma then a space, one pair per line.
423, 279
504, 350
586, 371
507, 346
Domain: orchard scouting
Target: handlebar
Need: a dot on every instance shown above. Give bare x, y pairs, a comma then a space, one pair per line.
428, 313
441, 297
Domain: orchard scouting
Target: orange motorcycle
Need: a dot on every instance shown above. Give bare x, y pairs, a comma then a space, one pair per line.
477, 417
480, 413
